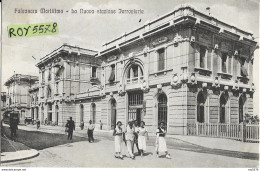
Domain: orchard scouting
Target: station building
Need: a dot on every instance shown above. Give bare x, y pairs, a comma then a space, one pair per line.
181, 68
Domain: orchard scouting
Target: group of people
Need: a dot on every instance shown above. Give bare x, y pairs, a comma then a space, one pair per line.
70, 127
134, 134
137, 135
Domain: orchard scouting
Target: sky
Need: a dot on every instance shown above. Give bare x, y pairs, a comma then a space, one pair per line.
91, 31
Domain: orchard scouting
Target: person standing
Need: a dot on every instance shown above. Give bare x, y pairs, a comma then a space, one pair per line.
129, 137
13, 126
118, 140
142, 132
100, 125
136, 127
71, 128
160, 141
82, 125
38, 123
91, 128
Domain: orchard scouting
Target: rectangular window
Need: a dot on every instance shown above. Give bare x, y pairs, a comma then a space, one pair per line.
94, 72
161, 59
43, 76
203, 51
49, 76
243, 70
112, 74
224, 59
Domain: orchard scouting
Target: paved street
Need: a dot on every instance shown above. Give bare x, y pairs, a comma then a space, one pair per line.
101, 154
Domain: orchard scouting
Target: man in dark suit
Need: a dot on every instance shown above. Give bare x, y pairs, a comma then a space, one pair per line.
71, 128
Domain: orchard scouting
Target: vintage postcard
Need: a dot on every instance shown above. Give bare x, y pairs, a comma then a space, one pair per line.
130, 84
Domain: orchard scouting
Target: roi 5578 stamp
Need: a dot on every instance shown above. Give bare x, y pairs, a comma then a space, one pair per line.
33, 30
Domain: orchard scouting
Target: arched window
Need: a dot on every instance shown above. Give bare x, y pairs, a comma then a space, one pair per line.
162, 108
201, 108
134, 74
223, 108
48, 91
93, 112
113, 113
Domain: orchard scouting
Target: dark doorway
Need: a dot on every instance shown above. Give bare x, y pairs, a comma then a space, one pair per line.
162, 109
113, 113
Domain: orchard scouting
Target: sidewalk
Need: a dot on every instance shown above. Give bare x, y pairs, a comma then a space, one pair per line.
18, 155
208, 142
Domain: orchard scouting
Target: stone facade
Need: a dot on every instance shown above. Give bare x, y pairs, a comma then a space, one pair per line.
181, 68
65, 73
17, 95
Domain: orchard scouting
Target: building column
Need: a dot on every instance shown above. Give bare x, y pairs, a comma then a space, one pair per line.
35, 113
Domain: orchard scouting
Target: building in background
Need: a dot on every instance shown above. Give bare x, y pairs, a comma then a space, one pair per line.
3, 102
17, 96
34, 102
65, 74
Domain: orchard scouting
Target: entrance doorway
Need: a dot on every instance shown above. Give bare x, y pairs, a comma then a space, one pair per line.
57, 115
162, 109
113, 113
135, 106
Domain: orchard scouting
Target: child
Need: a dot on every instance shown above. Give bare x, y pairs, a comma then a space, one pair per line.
141, 137
118, 140
160, 141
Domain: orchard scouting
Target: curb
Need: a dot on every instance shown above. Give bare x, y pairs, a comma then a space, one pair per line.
33, 153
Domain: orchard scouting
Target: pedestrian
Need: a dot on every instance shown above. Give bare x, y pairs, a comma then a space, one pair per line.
142, 133
160, 141
46, 121
118, 140
100, 124
38, 123
71, 128
82, 125
91, 128
67, 127
129, 138
13, 126
136, 127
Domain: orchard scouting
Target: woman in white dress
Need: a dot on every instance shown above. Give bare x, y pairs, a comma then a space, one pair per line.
118, 132
160, 141
142, 132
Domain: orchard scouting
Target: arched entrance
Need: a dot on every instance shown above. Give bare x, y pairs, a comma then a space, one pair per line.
223, 108
135, 106
93, 113
42, 114
81, 113
113, 113
49, 112
57, 114
242, 100
201, 108
162, 109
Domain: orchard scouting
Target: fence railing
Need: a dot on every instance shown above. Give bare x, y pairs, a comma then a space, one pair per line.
243, 132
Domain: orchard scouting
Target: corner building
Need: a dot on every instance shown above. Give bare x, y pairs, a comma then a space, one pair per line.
65, 74
181, 68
